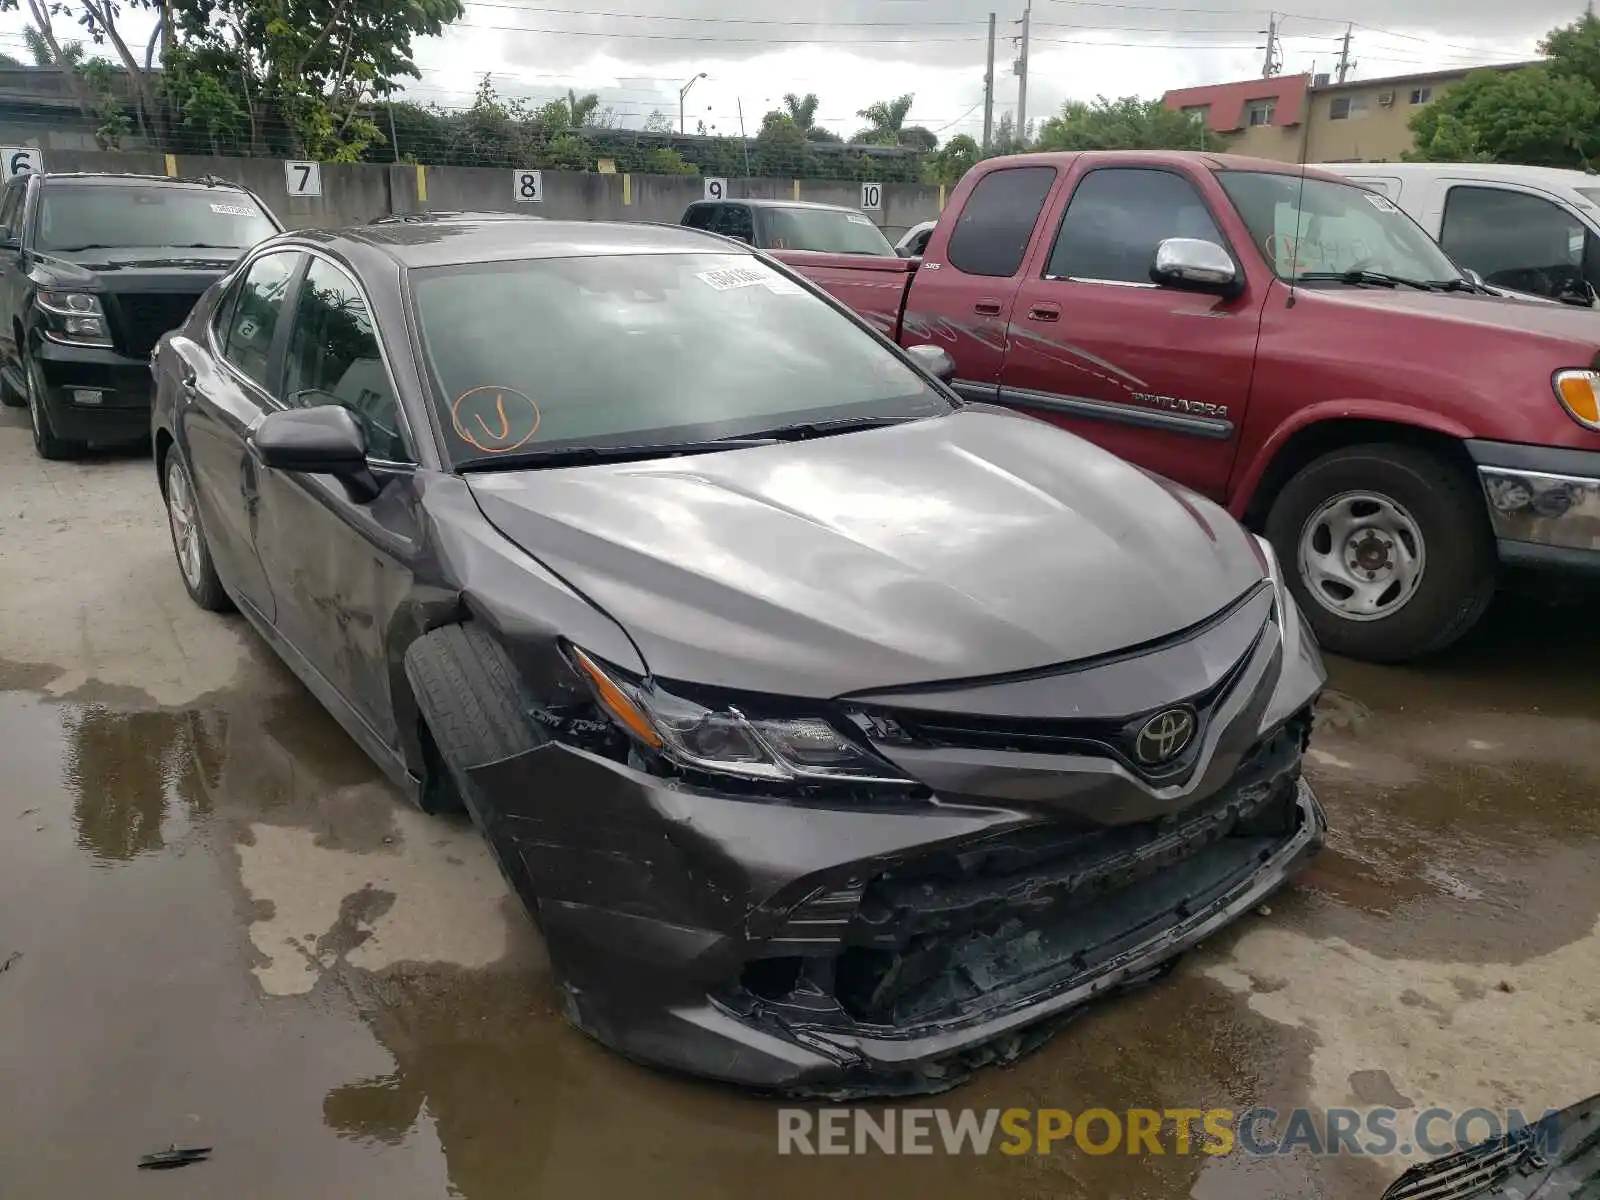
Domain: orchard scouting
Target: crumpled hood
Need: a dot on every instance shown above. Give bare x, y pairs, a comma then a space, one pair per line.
971, 545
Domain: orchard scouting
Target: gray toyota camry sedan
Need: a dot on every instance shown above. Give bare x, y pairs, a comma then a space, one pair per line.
838, 735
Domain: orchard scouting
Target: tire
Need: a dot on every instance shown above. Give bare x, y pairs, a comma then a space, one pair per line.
474, 708
1431, 502
11, 397
195, 566
45, 441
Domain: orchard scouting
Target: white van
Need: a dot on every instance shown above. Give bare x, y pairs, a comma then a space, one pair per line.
1528, 230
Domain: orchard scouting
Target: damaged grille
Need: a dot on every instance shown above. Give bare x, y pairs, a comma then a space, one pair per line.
1113, 738
956, 932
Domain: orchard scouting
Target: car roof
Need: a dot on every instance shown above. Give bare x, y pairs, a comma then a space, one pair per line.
769, 203
112, 178
1501, 172
1207, 159
418, 218
453, 242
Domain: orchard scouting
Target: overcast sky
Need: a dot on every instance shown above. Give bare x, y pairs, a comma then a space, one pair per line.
637, 53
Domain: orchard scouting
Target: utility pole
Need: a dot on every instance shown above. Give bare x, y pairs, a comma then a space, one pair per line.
1344, 54
1021, 68
684, 91
1270, 65
988, 91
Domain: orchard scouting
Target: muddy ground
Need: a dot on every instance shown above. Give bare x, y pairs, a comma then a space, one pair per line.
224, 929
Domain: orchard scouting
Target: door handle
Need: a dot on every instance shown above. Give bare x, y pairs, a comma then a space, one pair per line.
987, 308
1044, 312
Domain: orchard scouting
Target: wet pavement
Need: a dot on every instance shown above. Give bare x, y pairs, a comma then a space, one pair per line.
224, 929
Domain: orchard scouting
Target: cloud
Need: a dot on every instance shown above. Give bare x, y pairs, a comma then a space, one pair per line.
636, 54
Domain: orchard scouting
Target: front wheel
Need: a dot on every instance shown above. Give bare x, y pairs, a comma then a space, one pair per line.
1387, 550
45, 441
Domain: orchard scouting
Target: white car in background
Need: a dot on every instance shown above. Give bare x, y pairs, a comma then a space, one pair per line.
915, 240
1531, 232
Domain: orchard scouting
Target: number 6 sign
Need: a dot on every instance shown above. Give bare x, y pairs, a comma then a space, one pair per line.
19, 160
303, 178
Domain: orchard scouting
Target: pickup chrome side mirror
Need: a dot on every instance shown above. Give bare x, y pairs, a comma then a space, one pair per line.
1194, 265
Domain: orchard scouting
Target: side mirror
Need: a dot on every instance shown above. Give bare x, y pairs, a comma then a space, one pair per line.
326, 440
1475, 277
1194, 265
935, 361
904, 252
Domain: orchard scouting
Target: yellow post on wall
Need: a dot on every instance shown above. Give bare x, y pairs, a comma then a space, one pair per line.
627, 189
172, 166
941, 197
422, 184
797, 189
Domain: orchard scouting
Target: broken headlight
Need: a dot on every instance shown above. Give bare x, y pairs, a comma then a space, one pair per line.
725, 741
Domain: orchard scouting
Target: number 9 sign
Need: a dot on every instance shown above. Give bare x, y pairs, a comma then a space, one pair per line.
716, 189
20, 160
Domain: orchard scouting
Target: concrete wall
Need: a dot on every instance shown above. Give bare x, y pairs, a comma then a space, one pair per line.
354, 193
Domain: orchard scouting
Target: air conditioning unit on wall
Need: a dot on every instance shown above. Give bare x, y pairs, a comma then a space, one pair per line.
1386, 99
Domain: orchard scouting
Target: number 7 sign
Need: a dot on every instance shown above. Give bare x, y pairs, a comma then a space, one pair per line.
303, 178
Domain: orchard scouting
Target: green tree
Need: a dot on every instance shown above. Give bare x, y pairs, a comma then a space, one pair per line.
781, 149
311, 68
802, 110
948, 165
665, 161
1574, 50
1125, 124
582, 110
885, 121
1538, 115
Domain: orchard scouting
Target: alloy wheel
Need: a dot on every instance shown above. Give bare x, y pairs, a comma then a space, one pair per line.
184, 519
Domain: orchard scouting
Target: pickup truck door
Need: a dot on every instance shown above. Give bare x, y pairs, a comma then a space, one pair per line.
961, 298
1155, 375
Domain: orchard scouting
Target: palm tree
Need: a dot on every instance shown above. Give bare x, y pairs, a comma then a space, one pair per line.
885, 120
802, 111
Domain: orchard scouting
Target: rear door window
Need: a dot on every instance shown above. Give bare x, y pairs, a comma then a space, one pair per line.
1116, 219
257, 307
700, 216
11, 207
992, 234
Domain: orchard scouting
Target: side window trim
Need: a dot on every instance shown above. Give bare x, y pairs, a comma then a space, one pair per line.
1074, 184
408, 436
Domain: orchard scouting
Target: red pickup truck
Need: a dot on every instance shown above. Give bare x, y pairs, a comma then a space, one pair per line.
1285, 342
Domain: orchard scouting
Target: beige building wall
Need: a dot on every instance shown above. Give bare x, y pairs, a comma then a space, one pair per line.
1372, 132
1280, 142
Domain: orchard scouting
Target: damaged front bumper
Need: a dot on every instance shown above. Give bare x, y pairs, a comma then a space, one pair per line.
846, 950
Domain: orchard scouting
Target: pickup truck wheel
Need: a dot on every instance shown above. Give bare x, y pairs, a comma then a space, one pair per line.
475, 709
1386, 549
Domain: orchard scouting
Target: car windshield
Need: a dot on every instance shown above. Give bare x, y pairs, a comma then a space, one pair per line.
826, 229
77, 216
638, 350
1313, 227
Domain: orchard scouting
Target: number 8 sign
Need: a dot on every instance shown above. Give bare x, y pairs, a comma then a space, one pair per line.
527, 187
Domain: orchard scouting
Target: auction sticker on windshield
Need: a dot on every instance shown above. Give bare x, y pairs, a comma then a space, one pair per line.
493, 419
233, 210
1381, 203
725, 279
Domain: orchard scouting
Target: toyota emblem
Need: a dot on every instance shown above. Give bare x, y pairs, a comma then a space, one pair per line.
1164, 736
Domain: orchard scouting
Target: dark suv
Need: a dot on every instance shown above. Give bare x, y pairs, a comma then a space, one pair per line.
93, 270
